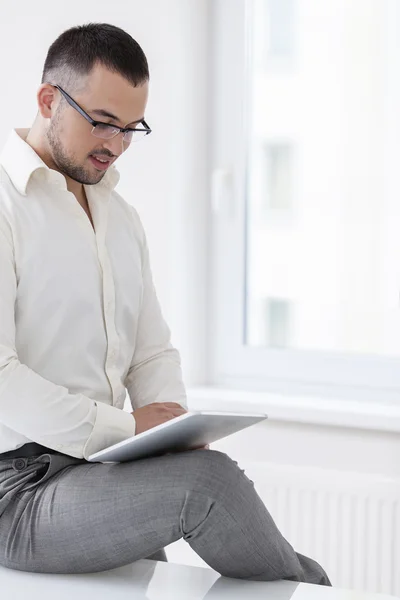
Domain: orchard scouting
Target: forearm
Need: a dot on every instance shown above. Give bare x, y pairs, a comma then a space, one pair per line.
49, 415
157, 379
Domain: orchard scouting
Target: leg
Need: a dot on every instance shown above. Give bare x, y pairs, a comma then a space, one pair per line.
159, 555
239, 537
92, 517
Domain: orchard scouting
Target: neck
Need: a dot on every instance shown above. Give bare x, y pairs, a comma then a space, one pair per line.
37, 140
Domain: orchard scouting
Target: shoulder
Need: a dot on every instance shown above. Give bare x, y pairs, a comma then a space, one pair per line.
5, 226
5, 185
9, 195
5, 199
131, 214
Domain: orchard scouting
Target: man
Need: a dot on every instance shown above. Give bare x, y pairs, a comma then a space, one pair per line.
81, 324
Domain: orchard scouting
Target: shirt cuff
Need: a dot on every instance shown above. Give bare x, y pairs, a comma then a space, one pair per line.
112, 425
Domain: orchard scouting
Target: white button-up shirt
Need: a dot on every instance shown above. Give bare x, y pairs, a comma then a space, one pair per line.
80, 322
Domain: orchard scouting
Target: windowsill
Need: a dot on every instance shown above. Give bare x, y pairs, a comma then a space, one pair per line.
300, 409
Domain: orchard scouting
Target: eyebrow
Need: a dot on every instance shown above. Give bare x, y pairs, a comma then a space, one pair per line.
104, 113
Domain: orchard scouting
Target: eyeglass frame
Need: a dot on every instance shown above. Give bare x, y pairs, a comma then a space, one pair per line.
88, 118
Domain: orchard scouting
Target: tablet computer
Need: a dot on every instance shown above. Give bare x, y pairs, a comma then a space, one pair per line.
186, 432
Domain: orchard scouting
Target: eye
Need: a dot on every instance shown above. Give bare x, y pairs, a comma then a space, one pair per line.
105, 131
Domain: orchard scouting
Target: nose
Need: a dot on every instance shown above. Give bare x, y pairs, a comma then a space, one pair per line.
115, 145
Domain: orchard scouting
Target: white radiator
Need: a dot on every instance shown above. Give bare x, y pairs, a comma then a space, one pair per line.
348, 522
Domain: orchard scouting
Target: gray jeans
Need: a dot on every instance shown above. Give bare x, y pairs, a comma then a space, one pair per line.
59, 514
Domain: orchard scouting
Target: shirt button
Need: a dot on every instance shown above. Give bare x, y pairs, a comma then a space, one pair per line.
19, 464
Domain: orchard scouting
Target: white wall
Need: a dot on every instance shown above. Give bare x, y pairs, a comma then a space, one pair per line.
165, 175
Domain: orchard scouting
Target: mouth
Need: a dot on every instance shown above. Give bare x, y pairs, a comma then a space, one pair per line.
100, 163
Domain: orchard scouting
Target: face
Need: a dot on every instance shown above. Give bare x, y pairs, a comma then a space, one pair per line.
70, 143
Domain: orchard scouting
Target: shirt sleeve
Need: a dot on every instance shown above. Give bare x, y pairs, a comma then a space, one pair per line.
36, 408
155, 373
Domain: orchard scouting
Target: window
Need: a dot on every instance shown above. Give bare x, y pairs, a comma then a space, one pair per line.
312, 214
270, 323
278, 323
274, 34
279, 27
278, 174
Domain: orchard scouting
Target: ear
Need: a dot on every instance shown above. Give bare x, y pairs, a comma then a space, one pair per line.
47, 100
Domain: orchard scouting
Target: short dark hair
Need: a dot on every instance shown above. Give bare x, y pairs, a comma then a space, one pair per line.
76, 51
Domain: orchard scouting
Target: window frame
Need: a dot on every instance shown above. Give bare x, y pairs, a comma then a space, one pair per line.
231, 363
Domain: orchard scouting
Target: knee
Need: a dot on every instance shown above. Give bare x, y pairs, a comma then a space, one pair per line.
212, 479
214, 471
214, 459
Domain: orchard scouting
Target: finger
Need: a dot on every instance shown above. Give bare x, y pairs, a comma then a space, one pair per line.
167, 417
174, 416
174, 411
178, 412
174, 405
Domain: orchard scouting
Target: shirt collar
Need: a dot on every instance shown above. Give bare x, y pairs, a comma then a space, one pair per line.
20, 162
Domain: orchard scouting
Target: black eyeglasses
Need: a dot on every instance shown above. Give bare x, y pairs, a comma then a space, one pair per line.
106, 131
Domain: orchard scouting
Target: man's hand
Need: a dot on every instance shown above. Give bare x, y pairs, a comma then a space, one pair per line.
156, 413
